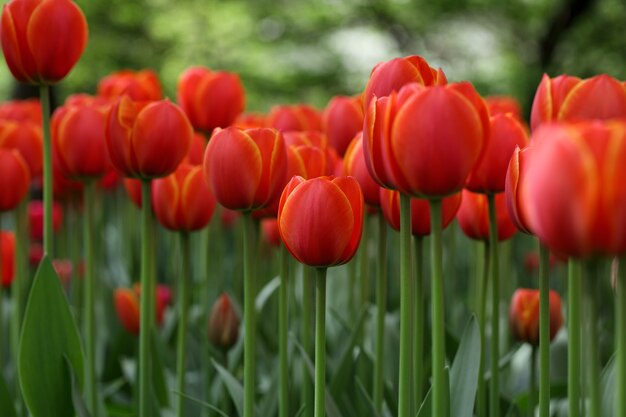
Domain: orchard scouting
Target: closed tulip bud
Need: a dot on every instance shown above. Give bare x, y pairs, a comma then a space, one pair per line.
321, 220
147, 140
246, 169
342, 120
503, 105
141, 85
42, 39
514, 182
27, 139
7, 248
183, 201
14, 179
420, 211
473, 217
210, 98
298, 117
223, 330
28, 110
269, 227
126, 302
524, 315
354, 165
35, 218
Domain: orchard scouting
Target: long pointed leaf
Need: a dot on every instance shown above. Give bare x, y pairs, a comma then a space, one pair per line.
464, 372
233, 386
6, 402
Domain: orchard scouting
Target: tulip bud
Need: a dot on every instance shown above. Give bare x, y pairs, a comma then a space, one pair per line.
223, 327
27, 139
342, 120
503, 105
524, 315
141, 85
7, 252
14, 179
28, 110
127, 306
473, 217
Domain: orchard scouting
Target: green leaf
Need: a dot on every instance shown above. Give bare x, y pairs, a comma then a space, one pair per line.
608, 387
464, 372
371, 409
6, 402
265, 293
158, 374
49, 334
426, 407
233, 386
202, 403
346, 365
77, 399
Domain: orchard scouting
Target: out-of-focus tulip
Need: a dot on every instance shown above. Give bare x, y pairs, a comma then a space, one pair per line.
63, 268
141, 85
183, 201
127, 306
515, 178
28, 110
42, 39
342, 120
26, 138
133, 191
392, 75
223, 330
210, 98
228, 218
489, 174
473, 216
14, 179
64, 188
35, 254
354, 165
250, 120
306, 137
294, 117
147, 140
573, 190
503, 105
570, 98
424, 141
313, 210
35, 218
246, 169
196, 150
110, 180
420, 211
269, 227
7, 247
531, 261
524, 315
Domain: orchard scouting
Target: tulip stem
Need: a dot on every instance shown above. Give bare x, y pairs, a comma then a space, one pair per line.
532, 386
364, 260
89, 318
146, 302
44, 97
481, 402
544, 331
494, 397
440, 388
183, 306
205, 302
249, 320
418, 323
283, 328
620, 318
573, 357
406, 309
320, 343
381, 302
593, 359
307, 308
2, 339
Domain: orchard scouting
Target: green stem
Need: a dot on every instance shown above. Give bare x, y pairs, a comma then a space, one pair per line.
381, 302
2, 338
494, 397
307, 316
481, 399
44, 97
90, 322
440, 387
352, 288
532, 386
544, 331
364, 268
620, 318
249, 320
573, 357
20, 284
205, 302
183, 306
592, 337
320, 343
283, 328
147, 302
406, 309
418, 323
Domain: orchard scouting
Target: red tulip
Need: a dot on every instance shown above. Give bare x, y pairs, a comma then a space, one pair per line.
223, 330
424, 141
503, 105
7, 251
250, 120
354, 165
133, 191
28, 110
141, 85
342, 120
514, 182
64, 188
183, 201
14, 179
196, 150
473, 217
296, 117
35, 218
524, 315
269, 227
26, 138
228, 218
42, 39
420, 211
63, 268
110, 180
531, 261
147, 140
246, 169
570, 98
321, 220
127, 306
210, 98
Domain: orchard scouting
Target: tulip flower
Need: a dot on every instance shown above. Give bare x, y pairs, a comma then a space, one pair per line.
223, 329
514, 182
196, 150
7, 248
42, 40
28, 110
141, 85
354, 165
342, 120
503, 105
14, 179
133, 191
147, 140
26, 138
524, 315
66, 189
210, 98
110, 180
309, 161
269, 227
228, 218
35, 218
250, 120
296, 117
127, 306
473, 217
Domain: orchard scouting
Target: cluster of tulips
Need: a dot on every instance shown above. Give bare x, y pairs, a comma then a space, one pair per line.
412, 150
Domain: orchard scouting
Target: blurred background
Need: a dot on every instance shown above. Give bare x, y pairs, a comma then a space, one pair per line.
309, 50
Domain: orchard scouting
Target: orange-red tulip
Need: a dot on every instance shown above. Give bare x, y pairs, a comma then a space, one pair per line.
342, 120
269, 227
42, 39
223, 329
354, 165
133, 191
7, 251
141, 85
210, 98
250, 120
246, 169
183, 201
503, 105
196, 150
473, 216
420, 211
127, 306
14, 179
147, 140
228, 218
28, 110
294, 117
320, 220
524, 315
424, 141
515, 178
64, 188
26, 138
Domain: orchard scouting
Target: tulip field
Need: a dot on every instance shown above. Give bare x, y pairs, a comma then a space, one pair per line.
412, 248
